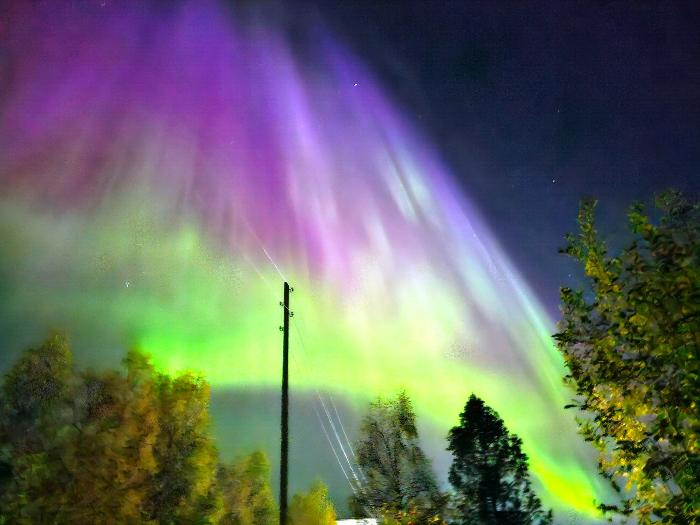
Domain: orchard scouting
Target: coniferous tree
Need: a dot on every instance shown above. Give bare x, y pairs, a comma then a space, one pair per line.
397, 475
631, 342
489, 472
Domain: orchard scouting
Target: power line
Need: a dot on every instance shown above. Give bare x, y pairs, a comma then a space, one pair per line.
317, 392
330, 418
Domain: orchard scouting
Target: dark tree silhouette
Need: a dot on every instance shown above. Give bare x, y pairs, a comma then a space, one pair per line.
489, 472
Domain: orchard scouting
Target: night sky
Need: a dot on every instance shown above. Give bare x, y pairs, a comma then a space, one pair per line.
536, 105
164, 166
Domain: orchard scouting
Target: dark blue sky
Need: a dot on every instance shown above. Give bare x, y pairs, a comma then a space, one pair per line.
538, 104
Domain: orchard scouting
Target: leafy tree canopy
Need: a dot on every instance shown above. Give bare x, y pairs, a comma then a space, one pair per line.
312, 508
248, 498
110, 447
631, 342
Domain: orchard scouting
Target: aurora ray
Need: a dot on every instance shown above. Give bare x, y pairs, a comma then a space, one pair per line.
161, 167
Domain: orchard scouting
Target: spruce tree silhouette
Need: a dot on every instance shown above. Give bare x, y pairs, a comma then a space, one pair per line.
489, 472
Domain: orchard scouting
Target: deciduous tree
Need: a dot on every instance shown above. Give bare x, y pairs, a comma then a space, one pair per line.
104, 447
631, 341
312, 508
247, 496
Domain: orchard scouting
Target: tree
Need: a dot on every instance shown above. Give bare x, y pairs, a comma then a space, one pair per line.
313, 508
398, 475
34, 394
107, 454
184, 488
631, 342
248, 498
104, 447
413, 516
39, 380
489, 472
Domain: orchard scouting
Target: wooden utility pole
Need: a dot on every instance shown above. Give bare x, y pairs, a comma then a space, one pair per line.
284, 457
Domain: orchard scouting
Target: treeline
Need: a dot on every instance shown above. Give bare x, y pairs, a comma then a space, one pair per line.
85, 447
109, 447
631, 341
135, 447
489, 478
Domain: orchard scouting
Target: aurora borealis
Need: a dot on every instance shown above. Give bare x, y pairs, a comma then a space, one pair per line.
164, 169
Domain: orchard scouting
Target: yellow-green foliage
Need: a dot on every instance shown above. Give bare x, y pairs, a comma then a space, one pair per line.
117, 448
32, 426
247, 496
632, 345
186, 483
108, 456
312, 508
412, 516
